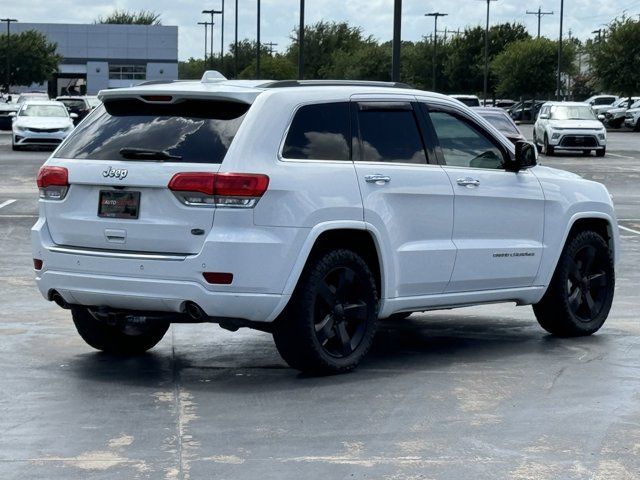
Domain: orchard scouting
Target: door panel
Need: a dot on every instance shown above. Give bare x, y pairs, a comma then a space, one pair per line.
498, 214
409, 202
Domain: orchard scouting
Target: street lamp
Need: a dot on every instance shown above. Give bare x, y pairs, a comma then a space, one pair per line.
301, 43
486, 53
435, 16
258, 44
395, 55
212, 13
206, 41
235, 53
560, 51
9, 22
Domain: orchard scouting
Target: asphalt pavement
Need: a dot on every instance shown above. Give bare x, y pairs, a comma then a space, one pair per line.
473, 393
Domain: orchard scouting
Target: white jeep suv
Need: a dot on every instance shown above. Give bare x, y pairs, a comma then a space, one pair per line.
569, 126
309, 210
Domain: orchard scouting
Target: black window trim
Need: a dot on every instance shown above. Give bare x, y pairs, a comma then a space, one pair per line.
293, 114
387, 104
427, 106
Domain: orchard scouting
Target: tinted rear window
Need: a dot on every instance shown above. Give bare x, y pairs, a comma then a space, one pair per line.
319, 132
199, 131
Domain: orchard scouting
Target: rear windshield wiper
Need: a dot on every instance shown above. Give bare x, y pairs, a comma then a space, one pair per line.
147, 154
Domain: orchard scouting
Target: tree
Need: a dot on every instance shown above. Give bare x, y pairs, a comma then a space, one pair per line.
370, 61
33, 58
321, 41
615, 59
464, 66
273, 67
124, 17
528, 67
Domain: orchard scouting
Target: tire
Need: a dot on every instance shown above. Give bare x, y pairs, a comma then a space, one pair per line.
117, 339
601, 152
331, 319
535, 142
398, 316
15, 147
579, 297
637, 127
548, 149
586, 153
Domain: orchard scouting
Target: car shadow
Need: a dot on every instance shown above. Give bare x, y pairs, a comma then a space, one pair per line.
418, 344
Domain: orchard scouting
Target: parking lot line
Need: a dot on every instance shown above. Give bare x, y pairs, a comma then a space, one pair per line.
6, 203
620, 156
628, 230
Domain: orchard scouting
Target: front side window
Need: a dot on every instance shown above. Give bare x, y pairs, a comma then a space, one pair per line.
319, 132
390, 134
463, 145
193, 131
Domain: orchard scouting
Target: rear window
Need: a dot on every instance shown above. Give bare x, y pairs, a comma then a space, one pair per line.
501, 122
192, 131
73, 103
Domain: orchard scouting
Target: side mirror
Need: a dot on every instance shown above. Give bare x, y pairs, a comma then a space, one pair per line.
601, 117
526, 156
543, 116
518, 122
73, 115
12, 114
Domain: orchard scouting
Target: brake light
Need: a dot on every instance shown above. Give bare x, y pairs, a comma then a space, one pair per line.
53, 182
37, 264
236, 190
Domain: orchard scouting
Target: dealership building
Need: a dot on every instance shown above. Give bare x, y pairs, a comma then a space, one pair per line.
100, 56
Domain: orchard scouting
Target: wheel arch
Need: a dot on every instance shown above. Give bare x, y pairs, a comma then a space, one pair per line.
356, 236
599, 222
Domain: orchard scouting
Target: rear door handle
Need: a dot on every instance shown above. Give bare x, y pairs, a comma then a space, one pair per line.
377, 178
468, 182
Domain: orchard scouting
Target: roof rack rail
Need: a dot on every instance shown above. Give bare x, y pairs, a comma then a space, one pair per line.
332, 83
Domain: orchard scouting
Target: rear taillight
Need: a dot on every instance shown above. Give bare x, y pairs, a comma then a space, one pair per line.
235, 190
53, 182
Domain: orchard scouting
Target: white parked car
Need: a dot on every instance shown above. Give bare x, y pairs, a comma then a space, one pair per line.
569, 126
632, 119
468, 100
310, 210
615, 117
41, 123
600, 100
620, 103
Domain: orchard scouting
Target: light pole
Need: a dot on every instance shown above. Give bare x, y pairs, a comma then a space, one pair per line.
301, 43
235, 53
9, 22
222, 38
539, 14
206, 41
397, 35
435, 16
560, 51
486, 53
258, 44
212, 13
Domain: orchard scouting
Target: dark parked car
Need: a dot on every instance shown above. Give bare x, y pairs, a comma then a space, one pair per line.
523, 113
502, 121
78, 105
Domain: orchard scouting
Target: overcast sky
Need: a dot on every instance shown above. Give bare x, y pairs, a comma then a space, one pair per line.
375, 17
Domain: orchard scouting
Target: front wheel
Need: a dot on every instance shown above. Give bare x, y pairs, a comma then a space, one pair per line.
579, 297
601, 153
548, 149
117, 339
330, 322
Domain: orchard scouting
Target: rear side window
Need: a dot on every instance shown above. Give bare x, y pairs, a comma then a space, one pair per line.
319, 132
191, 131
390, 134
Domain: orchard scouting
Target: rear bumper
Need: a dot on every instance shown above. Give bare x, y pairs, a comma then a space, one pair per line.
261, 266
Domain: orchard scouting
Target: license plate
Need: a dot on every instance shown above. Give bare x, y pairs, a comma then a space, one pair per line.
114, 204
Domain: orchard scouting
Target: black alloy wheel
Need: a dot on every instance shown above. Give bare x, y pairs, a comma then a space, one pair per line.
341, 312
587, 283
579, 297
330, 322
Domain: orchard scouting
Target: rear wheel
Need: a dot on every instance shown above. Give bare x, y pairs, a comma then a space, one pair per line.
637, 127
329, 324
121, 340
580, 294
